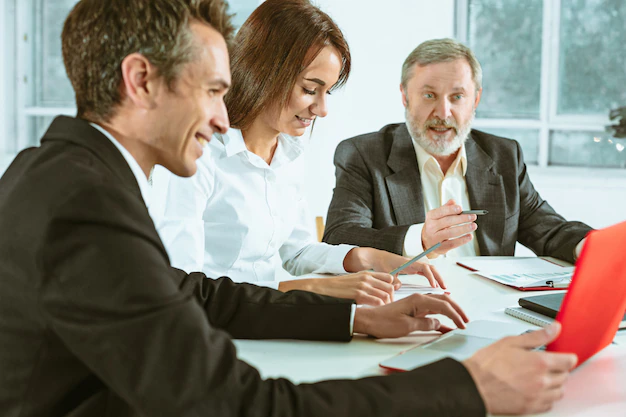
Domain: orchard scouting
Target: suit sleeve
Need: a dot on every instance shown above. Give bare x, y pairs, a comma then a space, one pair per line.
111, 297
351, 214
542, 229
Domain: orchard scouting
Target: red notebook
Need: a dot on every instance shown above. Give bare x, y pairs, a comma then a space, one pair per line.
596, 300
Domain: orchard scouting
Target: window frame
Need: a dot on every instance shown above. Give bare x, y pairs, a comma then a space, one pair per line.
7, 81
549, 120
27, 16
28, 13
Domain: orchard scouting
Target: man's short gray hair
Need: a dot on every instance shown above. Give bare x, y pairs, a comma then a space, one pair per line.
435, 51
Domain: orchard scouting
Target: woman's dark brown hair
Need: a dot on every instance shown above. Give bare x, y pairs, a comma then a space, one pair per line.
279, 40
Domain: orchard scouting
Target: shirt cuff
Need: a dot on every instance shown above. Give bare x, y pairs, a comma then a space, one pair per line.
579, 248
352, 314
268, 284
413, 245
334, 261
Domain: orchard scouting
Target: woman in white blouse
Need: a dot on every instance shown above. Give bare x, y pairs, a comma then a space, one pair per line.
244, 205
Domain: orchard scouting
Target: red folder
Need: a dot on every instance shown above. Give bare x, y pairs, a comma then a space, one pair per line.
595, 303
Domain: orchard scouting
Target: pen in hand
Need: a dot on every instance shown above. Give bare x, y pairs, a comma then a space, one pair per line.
476, 212
417, 258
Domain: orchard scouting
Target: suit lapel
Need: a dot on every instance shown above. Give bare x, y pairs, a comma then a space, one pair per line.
81, 133
404, 184
486, 191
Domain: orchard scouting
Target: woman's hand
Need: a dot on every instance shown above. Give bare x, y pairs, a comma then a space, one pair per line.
378, 260
370, 288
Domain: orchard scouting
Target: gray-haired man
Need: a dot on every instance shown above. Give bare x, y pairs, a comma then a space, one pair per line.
402, 189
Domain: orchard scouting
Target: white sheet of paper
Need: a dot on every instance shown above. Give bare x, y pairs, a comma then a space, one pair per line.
529, 265
409, 288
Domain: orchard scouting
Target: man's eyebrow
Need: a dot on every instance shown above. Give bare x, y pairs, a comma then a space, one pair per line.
455, 89
316, 80
223, 83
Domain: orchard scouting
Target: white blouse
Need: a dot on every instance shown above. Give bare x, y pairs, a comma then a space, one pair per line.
237, 212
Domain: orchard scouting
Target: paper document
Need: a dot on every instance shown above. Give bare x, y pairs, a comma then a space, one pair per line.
521, 272
409, 288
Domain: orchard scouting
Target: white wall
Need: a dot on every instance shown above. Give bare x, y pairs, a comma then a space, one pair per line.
381, 35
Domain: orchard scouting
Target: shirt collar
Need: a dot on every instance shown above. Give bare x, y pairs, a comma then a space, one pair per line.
288, 149
424, 157
144, 186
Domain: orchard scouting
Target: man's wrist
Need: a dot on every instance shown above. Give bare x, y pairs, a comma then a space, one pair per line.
362, 320
296, 284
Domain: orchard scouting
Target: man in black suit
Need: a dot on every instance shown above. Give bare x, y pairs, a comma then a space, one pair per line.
402, 189
95, 322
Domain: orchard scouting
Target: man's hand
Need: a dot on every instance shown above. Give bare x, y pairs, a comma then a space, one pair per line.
512, 378
447, 225
381, 261
370, 288
408, 315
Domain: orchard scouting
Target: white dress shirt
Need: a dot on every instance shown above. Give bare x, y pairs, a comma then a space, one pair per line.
237, 212
144, 188
142, 180
437, 189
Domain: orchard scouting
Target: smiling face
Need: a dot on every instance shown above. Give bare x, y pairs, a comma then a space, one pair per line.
440, 101
184, 119
309, 95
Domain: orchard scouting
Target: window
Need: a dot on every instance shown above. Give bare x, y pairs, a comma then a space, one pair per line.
42, 90
552, 71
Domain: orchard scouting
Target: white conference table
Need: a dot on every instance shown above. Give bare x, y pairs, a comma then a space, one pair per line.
597, 388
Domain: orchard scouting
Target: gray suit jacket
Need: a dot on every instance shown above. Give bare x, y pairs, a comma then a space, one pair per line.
378, 196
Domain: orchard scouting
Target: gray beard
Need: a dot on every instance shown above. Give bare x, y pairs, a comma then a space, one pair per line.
439, 146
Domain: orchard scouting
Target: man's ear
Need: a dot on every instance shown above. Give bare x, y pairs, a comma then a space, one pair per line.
405, 102
479, 94
140, 81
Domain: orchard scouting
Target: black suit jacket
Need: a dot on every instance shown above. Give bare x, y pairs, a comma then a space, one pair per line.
378, 196
95, 322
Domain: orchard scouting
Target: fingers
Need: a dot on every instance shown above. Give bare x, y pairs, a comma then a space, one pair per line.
434, 277
448, 245
537, 338
448, 209
375, 287
429, 271
396, 282
425, 324
438, 277
454, 304
381, 276
444, 329
438, 304
455, 232
545, 400
367, 299
557, 380
455, 220
556, 362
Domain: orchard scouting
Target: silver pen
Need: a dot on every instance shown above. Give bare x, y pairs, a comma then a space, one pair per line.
476, 212
417, 258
